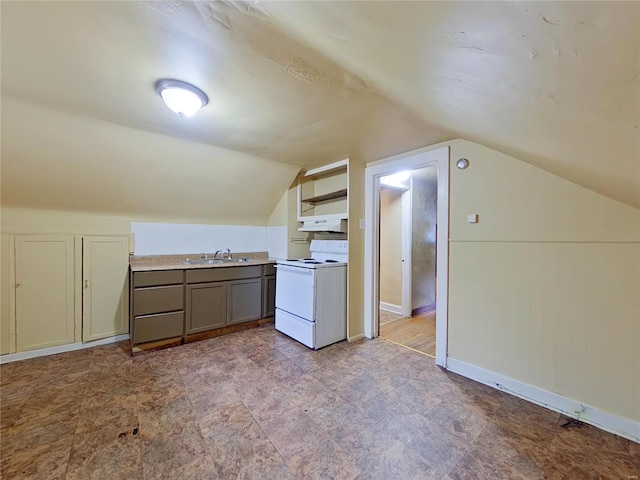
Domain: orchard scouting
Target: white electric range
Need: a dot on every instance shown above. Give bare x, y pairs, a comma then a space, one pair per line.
311, 295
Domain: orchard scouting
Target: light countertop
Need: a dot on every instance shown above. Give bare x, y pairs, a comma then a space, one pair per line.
149, 263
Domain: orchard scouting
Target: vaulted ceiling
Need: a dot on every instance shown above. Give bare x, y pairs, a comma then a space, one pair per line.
298, 84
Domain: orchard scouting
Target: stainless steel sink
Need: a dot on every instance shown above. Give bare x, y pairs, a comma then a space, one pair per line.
200, 261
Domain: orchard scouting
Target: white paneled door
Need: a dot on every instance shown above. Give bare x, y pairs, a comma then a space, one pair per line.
44, 273
105, 293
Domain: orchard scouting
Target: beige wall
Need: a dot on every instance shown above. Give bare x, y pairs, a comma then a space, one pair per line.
32, 221
391, 246
297, 242
65, 162
279, 215
544, 289
21, 221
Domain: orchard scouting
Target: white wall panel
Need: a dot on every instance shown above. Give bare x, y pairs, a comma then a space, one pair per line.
277, 241
175, 238
544, 289
562, 316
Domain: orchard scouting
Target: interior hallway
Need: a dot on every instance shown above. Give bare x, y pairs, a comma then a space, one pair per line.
257, 404
417, 332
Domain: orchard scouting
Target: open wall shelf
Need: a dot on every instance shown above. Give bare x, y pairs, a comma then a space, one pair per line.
323, 195
327, 196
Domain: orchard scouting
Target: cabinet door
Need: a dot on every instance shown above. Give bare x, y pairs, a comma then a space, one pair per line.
105, 265
206, 306
244, 300
44, 272
268, 296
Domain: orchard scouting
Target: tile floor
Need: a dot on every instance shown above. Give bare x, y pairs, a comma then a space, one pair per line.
259, 405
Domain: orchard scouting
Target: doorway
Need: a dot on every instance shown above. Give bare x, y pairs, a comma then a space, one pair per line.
407, 246
438, 159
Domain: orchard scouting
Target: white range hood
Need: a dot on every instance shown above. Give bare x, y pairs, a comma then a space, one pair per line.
324, 225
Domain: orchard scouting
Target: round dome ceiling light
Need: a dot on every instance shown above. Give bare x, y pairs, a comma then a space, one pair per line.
181, 97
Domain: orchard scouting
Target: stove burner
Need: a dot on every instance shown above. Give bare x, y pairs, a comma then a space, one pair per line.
313, 262
305, 259
331, 261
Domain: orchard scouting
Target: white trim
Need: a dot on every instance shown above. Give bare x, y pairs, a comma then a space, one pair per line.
13, 339
407, 240
442, 260
355, 338
408, 161
70, 347
390, 307
625, 427
78, 292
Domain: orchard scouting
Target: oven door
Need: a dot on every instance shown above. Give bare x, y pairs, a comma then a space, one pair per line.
295, 288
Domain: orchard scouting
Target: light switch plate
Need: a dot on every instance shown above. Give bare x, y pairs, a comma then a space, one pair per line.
472, 218
362, 224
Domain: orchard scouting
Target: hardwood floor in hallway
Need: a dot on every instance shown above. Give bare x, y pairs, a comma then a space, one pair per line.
417, 332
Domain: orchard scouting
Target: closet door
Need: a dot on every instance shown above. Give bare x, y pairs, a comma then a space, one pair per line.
105, 287
44, 291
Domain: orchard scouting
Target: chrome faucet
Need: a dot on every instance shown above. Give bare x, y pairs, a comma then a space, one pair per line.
215, 255
228, 254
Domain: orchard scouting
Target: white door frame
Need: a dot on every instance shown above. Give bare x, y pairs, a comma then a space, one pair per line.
407, 239
405, 244
408, 161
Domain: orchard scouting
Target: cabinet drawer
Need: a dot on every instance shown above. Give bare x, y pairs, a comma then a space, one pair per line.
152, 279
158, 327
221, 274
269, 269
157, 299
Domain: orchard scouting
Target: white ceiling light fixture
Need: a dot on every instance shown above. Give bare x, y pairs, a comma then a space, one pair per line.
181, 97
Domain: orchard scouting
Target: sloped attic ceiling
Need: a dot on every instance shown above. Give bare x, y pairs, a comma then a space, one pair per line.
556, 84
270, 97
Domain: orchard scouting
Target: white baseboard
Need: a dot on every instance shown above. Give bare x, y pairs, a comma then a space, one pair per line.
390, 307
355, 337
624, 427
70, 347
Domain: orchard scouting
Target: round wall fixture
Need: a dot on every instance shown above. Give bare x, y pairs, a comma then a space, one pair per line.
181, 97
462, 163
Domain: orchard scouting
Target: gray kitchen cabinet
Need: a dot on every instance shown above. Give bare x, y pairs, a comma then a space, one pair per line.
268, 296
170, 305
206, 306
244, 300
156, 306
